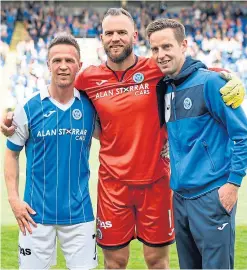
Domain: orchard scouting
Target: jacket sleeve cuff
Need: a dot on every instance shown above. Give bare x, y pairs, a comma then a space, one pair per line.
235, 179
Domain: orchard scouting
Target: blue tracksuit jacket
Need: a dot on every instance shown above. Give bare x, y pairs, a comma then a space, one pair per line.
208, 140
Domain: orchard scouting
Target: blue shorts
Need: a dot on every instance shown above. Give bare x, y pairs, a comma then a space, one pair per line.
205, 232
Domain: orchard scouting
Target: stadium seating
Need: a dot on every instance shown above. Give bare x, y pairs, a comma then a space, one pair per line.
217, 33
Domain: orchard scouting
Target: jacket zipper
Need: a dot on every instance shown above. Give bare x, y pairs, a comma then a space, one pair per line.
209, 156
174, 101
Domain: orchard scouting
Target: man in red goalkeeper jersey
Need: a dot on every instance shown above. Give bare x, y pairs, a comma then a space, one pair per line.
134, 199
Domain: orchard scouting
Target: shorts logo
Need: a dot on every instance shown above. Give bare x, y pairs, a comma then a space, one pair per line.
171, 232
24, 251
99, 234
222, 227
187, 103
77, 114
138, 77
103, 224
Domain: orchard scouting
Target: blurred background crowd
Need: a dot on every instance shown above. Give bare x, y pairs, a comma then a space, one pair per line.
216, 32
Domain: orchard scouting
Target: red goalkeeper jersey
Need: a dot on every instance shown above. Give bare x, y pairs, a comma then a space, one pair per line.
131, 138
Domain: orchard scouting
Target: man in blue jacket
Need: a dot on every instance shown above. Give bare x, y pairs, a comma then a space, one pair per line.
208, 150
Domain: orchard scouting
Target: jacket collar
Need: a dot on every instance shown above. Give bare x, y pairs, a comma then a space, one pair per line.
190, 65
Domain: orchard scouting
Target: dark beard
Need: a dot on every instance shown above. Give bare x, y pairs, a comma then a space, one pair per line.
119, 59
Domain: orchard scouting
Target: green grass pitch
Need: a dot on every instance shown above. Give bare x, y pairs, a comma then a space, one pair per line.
9, 230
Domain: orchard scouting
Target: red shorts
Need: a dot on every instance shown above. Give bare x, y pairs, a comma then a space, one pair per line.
125, 212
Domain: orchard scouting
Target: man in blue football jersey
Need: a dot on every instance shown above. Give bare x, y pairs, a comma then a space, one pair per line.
56, 126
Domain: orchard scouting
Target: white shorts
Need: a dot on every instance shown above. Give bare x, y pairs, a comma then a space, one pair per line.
38, 250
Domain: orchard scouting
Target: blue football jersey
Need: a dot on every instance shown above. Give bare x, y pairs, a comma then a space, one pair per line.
57, 141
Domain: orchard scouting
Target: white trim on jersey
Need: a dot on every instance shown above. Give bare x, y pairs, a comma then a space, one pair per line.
57, 168
44, 93
93, 128
61, 106
70, 119
170, 217
34, 153
88, 148
77, 94
44, 154
81, 151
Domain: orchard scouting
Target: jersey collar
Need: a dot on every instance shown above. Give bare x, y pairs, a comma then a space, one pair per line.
115, 74
44, 93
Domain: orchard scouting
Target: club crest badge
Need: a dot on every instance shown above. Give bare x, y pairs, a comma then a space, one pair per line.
138, 77
77, 114
99, 234
187, 103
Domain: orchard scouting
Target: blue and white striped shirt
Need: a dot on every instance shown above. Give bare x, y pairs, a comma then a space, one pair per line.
57, 140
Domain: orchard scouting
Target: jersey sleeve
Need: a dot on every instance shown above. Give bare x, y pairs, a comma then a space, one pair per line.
79, 81
234, 121
19, 138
